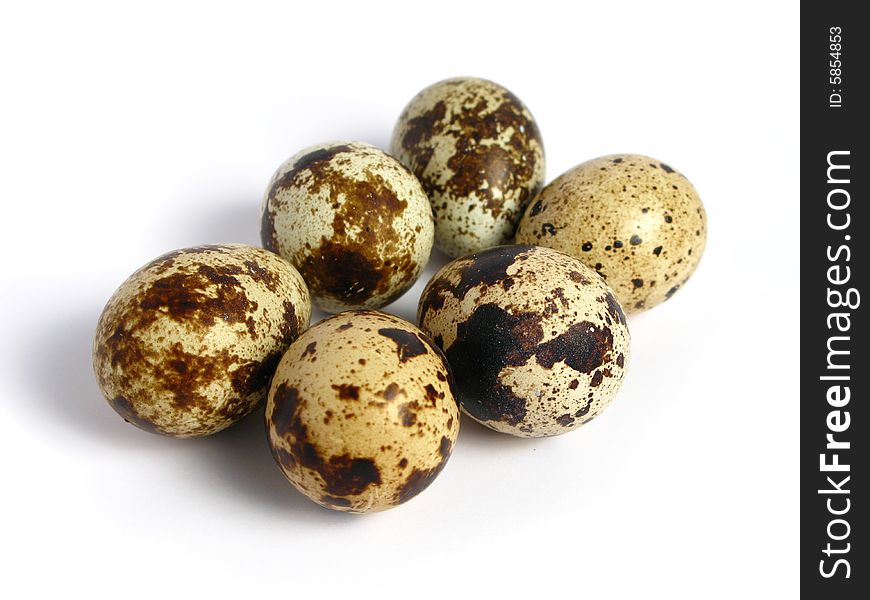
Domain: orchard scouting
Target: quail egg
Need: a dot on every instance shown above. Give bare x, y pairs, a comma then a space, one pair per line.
638, 222
353, 220
478, 152
361, 414
537, 341
187, 345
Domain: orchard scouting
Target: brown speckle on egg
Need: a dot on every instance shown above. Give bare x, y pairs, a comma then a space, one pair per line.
479, 155
554, 341
187, 345
598, 204
353, 220
370, 426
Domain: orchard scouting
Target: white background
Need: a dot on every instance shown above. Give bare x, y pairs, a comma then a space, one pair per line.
126, 132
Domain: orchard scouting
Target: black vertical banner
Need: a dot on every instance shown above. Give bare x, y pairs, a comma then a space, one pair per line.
834, 369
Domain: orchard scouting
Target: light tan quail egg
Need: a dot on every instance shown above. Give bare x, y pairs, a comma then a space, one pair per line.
537, 341
353, 220
187, 345
478, 152
635, 220
361, 414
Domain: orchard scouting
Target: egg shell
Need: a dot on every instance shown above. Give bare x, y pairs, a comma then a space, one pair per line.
187, 345
478, 152
537, 341
638, 222
353, 220
361, 414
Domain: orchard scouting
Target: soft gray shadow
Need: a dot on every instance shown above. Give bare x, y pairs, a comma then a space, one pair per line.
318, 315
406, 306
238, 460
65, 395
483, 439
57, 365
219, 221
348, 130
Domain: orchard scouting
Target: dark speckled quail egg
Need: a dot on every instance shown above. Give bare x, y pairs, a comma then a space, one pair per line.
361, 414
353, 220
537, 341
478, 152
187, 345
639, 223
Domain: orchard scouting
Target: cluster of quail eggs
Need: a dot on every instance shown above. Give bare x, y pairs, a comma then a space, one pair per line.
524, 331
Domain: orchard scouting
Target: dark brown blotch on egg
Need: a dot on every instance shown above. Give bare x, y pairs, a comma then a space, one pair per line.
508, 346
379, 224
479, 155
373, 422
156, 358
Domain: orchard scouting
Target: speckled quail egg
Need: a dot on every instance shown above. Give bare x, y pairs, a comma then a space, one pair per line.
361, 414
639, 223
353, 220
187, 345
478, 152
537, 341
